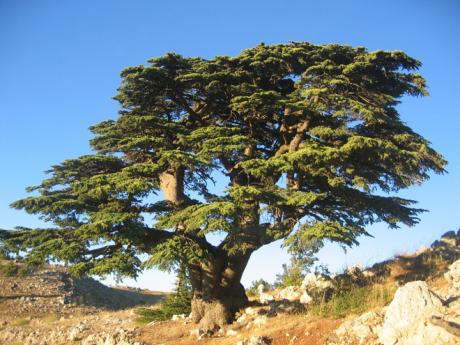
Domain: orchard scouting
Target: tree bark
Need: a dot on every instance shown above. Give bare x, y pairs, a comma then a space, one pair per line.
217, 291
172, 185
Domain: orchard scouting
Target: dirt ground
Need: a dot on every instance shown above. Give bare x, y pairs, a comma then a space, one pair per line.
282, 329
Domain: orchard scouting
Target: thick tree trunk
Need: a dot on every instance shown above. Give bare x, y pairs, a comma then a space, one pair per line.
218, 293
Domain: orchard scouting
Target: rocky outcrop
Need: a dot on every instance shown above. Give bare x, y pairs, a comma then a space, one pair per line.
416, 316
117, 337
53, 290
316, 282
314, 288
106, 329
361, 331
317, 287
453, 277
407, 318
263, 296
290, 293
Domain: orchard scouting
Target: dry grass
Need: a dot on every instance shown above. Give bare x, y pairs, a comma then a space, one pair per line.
354, 301
20, 322
50, 319
283, 329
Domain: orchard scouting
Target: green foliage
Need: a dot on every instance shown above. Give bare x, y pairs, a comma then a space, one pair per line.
174, 304
9, 269
292, 275
252, 290
308, 137
354, 301
22, 322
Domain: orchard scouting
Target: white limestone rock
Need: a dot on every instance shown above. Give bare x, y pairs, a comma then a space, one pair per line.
316, 284
453, 276
305, 298
260, 320
407, 318
257, 340
290, 293
76, 332
263, 296
362, 330
178, 317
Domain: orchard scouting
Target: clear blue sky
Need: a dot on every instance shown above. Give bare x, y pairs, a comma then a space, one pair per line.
60, 62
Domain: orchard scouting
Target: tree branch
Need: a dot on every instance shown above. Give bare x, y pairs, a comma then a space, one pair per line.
103, 250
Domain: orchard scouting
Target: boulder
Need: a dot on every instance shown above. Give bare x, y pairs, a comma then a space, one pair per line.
250, 311
178, 317
453, 277
290, 293
317, 286
263, 296
118, 337
361, 331
259, 321
305, 298
450, 238
231, 333
407, 318
285, 306
76, 332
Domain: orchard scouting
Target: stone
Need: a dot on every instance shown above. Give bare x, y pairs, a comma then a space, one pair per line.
255, 340
285, 306
305, 298
362, 330
258, 340
75, 333
316, 281
354, 269
407, 318
242, 319
368, 274
450, 238
196, 332
260, 320
178, 317
317, 286
263, 296
453, 277
290, 293
250, 311
231, 333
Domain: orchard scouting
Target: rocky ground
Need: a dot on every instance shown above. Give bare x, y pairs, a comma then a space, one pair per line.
50, 308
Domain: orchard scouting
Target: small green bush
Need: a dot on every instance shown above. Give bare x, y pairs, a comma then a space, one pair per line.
179, 302
24, 271
171, 305
21, 322
9, 270
292, 275
252, 290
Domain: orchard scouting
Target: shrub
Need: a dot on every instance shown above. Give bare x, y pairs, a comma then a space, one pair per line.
21, 322
174, 304
9, 270
252, 290
292, 275
354, 301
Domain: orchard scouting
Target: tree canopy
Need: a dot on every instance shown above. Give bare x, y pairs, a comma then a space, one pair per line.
307, 137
